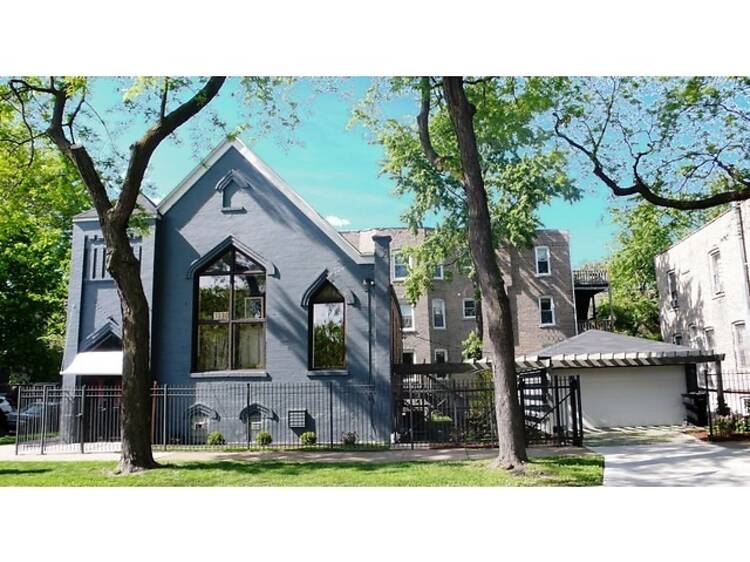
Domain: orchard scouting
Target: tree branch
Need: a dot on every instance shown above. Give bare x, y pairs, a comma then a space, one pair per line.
143, 149
423, 123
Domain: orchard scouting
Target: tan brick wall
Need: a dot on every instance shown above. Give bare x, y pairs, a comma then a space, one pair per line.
698, 304
524, 289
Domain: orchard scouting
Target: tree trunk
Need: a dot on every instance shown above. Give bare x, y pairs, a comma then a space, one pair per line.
135, 413
496, 313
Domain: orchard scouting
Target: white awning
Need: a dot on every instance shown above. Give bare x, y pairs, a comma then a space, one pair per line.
96, 363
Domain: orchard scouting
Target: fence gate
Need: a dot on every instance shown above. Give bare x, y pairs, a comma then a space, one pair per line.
430, 410
727, 403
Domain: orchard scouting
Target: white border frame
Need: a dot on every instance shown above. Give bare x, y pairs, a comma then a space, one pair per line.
413, 317
552, 308
745, 350
393, 266
435, 352
463, 308
536, 261
432, 314
712, 271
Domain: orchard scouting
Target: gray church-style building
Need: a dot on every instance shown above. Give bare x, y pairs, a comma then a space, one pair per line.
250, 289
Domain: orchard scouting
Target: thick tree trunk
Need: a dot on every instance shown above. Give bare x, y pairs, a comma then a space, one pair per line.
496, 313
135, 417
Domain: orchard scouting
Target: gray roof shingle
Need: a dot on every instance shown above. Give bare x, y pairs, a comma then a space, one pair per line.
598, 341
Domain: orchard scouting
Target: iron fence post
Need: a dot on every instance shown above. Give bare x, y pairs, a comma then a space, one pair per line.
247, 414
577, 440
44, 417
18, 418
411, 415
164, 418
81, 414
330, 412
522, 404
710, 419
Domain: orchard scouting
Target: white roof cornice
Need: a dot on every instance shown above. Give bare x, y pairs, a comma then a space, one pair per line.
277, 181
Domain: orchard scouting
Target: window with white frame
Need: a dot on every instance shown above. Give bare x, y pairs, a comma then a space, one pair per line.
714, 266
541, 254
439, 272
740, 343
407, 316
400, 266
470, 309
677, 338
746, 404
438, 314
546, 311
672, 288
708, 335
441, 356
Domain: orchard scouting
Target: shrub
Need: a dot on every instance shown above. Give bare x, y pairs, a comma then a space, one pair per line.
263, 438
349, 438
216, 439
308, 438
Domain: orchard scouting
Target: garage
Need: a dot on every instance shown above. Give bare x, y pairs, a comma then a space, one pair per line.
625, 381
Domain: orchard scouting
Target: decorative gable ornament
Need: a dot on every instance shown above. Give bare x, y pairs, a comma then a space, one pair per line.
233, 176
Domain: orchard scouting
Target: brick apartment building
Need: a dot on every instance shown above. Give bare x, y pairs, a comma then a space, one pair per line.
704, 288
540, 287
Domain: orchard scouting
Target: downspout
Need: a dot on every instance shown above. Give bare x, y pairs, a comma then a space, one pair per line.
743, 250
369, 284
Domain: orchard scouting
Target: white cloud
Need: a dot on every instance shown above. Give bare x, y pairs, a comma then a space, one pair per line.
338, 222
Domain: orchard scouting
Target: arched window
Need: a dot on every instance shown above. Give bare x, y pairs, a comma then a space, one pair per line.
326, 328
230, 331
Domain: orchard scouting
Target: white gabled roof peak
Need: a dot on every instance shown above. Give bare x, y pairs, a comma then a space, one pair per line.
277, 181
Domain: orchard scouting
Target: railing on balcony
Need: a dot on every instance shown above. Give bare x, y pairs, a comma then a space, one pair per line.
604, 324
590, 278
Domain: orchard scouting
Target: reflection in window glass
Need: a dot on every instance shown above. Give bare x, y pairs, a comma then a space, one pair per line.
328, 343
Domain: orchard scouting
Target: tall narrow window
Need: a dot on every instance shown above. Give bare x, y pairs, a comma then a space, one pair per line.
441, 356
407, 316
672, 288
470, 309
439, 272
695, 341
231, 317
740, 341
327, 332
541, 254
438, 314
408, 357
400, 266
715, 270
546, 311
708, 334
677, 339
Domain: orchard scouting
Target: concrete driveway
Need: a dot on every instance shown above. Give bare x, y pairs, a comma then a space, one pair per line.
681, 460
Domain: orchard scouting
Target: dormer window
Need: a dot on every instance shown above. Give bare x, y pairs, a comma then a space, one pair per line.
230, 317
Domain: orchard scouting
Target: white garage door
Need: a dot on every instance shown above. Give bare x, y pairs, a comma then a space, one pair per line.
625, 396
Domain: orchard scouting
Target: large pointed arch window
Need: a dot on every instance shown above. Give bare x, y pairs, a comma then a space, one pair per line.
327, 335
230, 331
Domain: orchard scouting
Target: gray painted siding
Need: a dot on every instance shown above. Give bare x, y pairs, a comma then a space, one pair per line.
274, 228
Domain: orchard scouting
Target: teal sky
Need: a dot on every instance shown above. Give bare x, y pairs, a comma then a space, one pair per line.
336, 170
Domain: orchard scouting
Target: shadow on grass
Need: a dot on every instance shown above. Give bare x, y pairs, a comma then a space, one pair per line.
290, 468
16, 471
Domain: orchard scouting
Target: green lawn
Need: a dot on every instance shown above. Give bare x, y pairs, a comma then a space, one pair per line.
552, 471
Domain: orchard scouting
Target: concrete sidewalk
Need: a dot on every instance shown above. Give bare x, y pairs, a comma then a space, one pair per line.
690, 462
7, 453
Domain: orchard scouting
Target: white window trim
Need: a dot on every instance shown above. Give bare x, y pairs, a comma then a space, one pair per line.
552, 308
463, 309
432, 314
706, 338
712, 271
413, 319
442, 272
745, 350
536, 261
678, 335
393, 266
445, 351
413, 353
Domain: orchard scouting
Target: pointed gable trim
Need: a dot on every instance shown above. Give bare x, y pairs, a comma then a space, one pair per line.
274, 179
221, 247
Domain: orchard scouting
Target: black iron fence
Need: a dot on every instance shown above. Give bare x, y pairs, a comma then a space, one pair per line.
326, 414
455, 411
727, 404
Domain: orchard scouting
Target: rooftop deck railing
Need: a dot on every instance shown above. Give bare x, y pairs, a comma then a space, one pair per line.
590, 277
